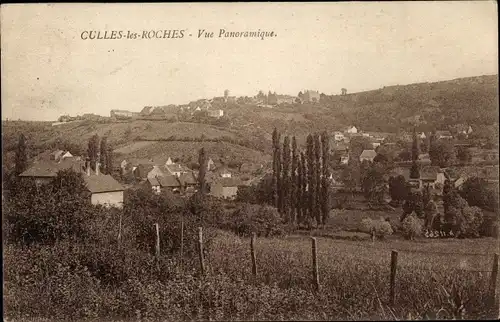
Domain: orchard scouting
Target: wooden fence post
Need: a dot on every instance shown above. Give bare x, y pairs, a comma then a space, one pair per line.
200, 247
394, 264
493, 279
315, 263
157, 246
252, 252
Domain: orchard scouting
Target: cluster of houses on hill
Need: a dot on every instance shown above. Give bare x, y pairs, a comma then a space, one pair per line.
161, 175
157, 175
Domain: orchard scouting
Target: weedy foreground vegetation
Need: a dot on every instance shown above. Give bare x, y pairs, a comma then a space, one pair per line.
63, 261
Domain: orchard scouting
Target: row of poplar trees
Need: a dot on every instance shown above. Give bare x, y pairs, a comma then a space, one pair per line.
301, 179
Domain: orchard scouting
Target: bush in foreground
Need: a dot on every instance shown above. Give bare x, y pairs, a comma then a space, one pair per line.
379, 228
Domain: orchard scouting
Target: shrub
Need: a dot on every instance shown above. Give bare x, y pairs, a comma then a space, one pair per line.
380, 228
469, 221
262, 220
412, 227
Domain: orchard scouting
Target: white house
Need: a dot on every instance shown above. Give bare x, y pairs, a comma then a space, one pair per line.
367, 155
338, 136
216, 113
352, 130
104, 189
422, 135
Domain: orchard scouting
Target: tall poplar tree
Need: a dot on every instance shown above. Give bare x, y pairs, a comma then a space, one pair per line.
279, 181
317, 174
93, 150
275, 167
415, 171
109, 160
303, 201
286, 178
293, 181
311, 176
325, 183
21, 158
103, 156
202, 161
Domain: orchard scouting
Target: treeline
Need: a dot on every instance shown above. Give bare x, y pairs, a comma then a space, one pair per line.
300, 179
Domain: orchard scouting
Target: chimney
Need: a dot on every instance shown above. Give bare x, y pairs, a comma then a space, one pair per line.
97, 164
87, 167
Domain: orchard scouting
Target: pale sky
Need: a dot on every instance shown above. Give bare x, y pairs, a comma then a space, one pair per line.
48, 70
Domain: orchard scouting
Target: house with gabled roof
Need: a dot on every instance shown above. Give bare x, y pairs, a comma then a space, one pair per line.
226, 188
174, 169
170, 182
367, 155
43, 171
104, 190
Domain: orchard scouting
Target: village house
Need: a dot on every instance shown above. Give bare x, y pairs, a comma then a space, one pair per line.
338, 136
216, 113
43, 171
146, 110
119, 114
104, 189
285, 99
422, 135
171, 183
432, 176
310, 96
210, 164
367, 155
224, 172
174, 169
351, 130
226, 188
424, 158
443, 135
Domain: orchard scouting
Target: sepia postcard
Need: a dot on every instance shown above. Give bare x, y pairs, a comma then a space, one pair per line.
250, 161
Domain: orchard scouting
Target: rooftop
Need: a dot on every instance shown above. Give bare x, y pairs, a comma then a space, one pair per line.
47, 168
102, 183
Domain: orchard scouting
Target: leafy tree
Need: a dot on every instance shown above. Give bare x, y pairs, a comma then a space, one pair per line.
413, 204
398, 188
351, 176
464, 155
49, 213
404, 155
374, 184
442, 153
21, 158
475, 191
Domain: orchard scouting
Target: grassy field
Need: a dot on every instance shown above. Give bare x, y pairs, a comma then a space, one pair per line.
355, 275
216, 150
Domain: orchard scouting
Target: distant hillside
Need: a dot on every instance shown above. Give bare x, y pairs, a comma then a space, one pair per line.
428, 106
472, 100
